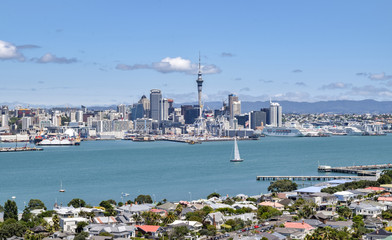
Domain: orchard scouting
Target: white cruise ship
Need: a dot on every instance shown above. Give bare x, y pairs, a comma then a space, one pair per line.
282, 132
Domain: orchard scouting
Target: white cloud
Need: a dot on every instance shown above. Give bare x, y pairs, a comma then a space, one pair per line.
380, 77
371, 91
292, 96
336, 85
51, 58
9, 51
169, 65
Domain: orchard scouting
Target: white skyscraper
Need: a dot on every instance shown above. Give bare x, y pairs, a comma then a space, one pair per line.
275, 114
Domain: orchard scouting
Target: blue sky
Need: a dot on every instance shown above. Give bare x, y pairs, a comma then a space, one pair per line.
111, 52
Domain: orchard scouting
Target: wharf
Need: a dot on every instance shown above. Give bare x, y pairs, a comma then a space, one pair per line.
310, 178
359, 169
20, 149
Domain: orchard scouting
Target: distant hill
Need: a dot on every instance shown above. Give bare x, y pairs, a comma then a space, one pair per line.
340, 106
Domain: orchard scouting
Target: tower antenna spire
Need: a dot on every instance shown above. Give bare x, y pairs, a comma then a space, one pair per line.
199, 63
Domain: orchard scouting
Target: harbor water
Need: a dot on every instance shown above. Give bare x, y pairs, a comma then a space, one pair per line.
101, 170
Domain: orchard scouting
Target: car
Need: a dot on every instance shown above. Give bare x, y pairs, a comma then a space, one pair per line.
256, 226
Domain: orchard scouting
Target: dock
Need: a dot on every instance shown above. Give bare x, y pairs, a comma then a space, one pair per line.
359, 169
20, 149
311, 178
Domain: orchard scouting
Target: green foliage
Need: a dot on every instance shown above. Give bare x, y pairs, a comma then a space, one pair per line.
109, 209
344, 212
266, 212
228, 201
386, 177
211, 230
35, 204
236, 223
120, 204
328, 233
46, 214
1, 209
77, 202
358, 221
151, 218
80, 226
10, 210
198, 215
113, 202
143, 199
65, 119
282, 186
56, 222
350, 186
252, 199
214, 194
170, 217
179, 232
387, 214
11, 227
105, 234
81, 236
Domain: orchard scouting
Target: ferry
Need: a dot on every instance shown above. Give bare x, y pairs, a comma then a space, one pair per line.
59, 141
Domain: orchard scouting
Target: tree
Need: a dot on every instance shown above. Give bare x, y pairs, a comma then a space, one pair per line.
214, 194
12, 228
344, 212
143, 199
10, 210
282, 186
170, 217
36, 204
266, 212
1, 209
151, 218
109, 209
385, 179
77, 202
81, 236
56, 222
179, 232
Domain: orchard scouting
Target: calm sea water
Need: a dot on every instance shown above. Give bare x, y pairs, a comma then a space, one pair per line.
102, 170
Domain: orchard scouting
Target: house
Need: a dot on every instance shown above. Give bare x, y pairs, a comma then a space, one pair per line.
191, 225
185, 211
151, 230
340, 224
135, 208
161, 212
168, 207
368, 208
344, 196
276, 205
373, 223
70, 224
323, 199
244, 205
104, 220
376, 189
244, 217
291, 233
216, 219
118, 231
378, 234
286, 202
387, 187
309, 190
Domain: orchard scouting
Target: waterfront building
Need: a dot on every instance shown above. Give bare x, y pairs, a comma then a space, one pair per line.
79, 116
143, 125
155, 104
275, 114
257, 119
137, 111
232, 99
4, 120
72, 116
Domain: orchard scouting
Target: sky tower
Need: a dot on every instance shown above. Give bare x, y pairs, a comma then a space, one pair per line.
199, 86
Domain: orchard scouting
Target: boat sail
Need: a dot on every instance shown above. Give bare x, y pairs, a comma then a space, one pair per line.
237, 157
61, 187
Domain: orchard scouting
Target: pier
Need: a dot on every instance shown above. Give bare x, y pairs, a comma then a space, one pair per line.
311, 178
359, 169
20, 149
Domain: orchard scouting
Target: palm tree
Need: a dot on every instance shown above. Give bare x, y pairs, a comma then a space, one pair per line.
170, 217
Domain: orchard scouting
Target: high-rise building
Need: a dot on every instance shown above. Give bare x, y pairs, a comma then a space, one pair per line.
234, 106
275, 114
137, 111
199, 82
164, 111
146, 105
4, 120
26, 123
79, 116
123, 110
155, 104
258, 119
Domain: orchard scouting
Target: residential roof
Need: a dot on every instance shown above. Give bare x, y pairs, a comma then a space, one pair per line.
148, 228
271, 204
387, 199
298, 225
312, 189
376, 188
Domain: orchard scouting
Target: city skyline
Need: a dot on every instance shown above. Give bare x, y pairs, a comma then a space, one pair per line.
97, 53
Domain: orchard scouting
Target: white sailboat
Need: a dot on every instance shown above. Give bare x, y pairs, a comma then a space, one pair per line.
237, 157
61, 187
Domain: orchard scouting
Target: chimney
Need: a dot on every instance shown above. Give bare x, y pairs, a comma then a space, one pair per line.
213, 221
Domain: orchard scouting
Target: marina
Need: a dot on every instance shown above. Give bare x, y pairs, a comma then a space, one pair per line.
359, 169
311, 178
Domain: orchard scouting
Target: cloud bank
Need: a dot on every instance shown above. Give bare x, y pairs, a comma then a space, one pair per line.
8, 51
170, 65
51, 58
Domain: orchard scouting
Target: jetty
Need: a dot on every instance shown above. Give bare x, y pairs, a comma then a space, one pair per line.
311, 178
359, 169
20, 149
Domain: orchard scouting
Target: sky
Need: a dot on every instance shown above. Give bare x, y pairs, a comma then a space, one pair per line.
94, 52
